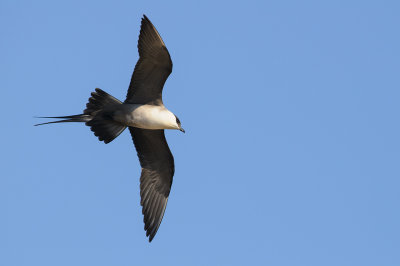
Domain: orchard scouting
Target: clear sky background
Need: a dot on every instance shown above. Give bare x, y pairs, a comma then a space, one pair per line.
291, 153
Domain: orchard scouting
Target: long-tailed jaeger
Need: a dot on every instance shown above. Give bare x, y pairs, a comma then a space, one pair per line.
144, 113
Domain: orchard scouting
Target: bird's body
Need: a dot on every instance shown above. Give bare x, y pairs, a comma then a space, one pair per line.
145, 116
144, 113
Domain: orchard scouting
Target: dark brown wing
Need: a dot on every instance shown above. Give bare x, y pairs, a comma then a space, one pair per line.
156, 179
152, 69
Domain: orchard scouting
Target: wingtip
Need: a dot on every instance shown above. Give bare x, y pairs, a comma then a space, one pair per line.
145, 18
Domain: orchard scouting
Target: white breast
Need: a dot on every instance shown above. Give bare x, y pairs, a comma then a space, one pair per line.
146, 116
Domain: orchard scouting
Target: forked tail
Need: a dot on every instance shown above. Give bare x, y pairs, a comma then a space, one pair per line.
98, 115
68, 118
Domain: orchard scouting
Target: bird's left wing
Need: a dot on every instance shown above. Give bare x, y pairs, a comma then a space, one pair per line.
156, 179
152, 69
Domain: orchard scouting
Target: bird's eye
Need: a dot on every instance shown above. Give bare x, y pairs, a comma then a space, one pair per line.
177, 121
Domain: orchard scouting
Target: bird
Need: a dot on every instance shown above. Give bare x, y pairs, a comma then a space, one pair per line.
144, 113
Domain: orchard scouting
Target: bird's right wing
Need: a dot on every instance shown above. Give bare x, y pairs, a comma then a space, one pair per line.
156, 179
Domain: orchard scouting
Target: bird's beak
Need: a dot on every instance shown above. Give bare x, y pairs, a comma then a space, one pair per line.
182, 130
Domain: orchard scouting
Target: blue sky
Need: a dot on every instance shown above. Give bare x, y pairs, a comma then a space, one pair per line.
291, 152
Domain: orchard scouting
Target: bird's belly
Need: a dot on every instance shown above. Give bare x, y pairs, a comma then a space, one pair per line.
143, 116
